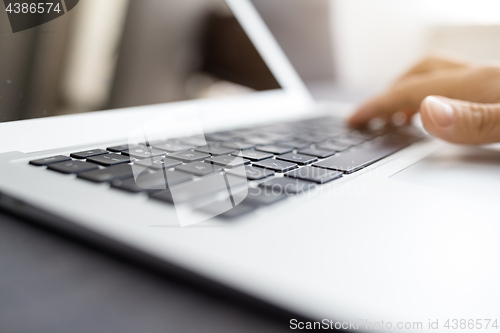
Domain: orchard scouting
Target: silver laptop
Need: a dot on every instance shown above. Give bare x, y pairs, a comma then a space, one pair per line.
271, 195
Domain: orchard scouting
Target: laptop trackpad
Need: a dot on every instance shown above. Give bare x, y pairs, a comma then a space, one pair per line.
473, 170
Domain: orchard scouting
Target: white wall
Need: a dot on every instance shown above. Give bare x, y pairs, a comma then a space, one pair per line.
375, 40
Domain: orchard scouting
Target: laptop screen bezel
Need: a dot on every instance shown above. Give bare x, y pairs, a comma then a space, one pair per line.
269, 49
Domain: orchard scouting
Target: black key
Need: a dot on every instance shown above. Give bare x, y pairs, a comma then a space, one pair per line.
275, 149
334, 146
219, 137
313, 174
50, 160
143, 152
220, 206
109, 159
317, 152
298, 144
298, 158
129, 185
206, 186
353, 139
257, 196
311, 137
152, 143
356, 159
161, 180
118, 149
253, 155
333, 131
215, 150
198, 168
238, 145
87, 153
172, 147
158, 162
276, 165
109, 174
252, 173
189, 156
255, 140
72, 167
197, 141
228, 161
284, 185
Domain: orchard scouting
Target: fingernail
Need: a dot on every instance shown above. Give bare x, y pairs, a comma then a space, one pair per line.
440, 113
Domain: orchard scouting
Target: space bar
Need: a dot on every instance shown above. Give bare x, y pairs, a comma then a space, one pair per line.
361, 157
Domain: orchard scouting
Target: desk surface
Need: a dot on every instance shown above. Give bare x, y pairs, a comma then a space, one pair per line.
49, 283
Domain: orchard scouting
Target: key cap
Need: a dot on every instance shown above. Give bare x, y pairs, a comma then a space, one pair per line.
228, 161
284, 185
253, 155
238, 145
276, 165
251, 172
257, 196
120, 171
198, 168
143, 152
88, 153
312, 137
158, 162
50, 160
356, 159
298, 158
219, 137
152, 143
353, 139
118, 149
109, 159
206, 186
334, 146
189, 156
172, 147
69, 167
333, 131
258, 140
317, 152
147, 182
196, 141
298, 144
313, 174
129, 185
274, 149
215, 150
220, 206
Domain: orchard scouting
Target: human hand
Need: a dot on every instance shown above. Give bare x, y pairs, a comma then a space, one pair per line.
458, 102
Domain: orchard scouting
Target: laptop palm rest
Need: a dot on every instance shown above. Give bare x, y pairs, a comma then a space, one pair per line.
473, 170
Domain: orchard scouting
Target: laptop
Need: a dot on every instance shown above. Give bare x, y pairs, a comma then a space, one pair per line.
270, 195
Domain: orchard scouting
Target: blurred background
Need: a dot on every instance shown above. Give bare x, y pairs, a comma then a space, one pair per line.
121, 53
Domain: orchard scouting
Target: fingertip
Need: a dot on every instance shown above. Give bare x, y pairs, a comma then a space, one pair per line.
354, 120
362, 115
437, 113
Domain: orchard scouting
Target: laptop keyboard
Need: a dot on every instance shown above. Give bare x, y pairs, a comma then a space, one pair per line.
295, 156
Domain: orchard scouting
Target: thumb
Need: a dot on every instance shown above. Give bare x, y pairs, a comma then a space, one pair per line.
460, 121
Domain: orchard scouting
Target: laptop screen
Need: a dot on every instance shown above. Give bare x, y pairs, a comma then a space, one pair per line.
96, 55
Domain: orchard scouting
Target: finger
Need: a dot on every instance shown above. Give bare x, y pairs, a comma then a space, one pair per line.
408, 95
433, 63
461, 122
